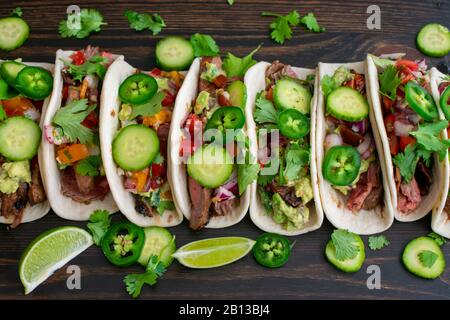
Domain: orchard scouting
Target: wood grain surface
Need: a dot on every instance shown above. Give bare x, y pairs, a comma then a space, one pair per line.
238, 28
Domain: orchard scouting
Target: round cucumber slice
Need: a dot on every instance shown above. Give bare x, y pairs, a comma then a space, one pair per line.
158, 242
19, 138
135, 147
434, 40
238, 93
9, 71
349, 265
347, 104
424, 258
210, 166
290, 94
13, 33
174, 53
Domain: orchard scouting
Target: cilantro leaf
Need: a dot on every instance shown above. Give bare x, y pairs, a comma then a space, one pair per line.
378, 242
281, 26
237, 67
134, 282
95, 65
427, 137
427, 258
69, 118
381, 62
17, 12
164, 205
265, 111
266, 199
407, 162
141, 21
204, 45
389, 81
230, 2
296, 159
247, 173
98, 224
345, 244
149, 108
81, 25
311, 23
328, 85
89, 166
440, 240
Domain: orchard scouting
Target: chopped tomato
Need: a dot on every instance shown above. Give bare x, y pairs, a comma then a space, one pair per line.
411, 65
269, 94
405, 141
220, 81
156, 182
406, 75
155, 72
108, 56
223, 100
91, 121
350, 83
158, 170
387, 104
78, 58
140, 177
389, 123
65, 92
169, 99
17, 106
393, 143
69, 154
194, 124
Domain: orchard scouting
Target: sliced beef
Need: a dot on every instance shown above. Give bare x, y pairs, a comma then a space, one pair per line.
368, 192
424, 178
163, 135
277, 70
223, 208
13, 204
350, 137
142, 206
358, 195
36, 192
70, 187
84, 183
288, 195
409, 196
373, 199
201, 201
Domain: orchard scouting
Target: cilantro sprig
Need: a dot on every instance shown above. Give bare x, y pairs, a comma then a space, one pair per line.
378, 242
389, 82
98, 224
149, 108
440, 240
80, 25
237, 67
345, 243
16, 12
427, 258
89, 166
204, 45
134, 282
265, 111
95, 65
142, 21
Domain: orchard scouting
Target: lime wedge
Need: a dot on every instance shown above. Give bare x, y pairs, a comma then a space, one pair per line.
49, 252
214, 252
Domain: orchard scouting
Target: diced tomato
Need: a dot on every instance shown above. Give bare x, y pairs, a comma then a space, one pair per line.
393, 143
78, 58
350, 83
107, 55
65, 92
223, 100
17, 106
405, 141
155, 183
389, 123
220, 81
158, 170
411, 65
168, 100
38, 104
387, 104
193, 124
269, 94
155, 72
91, 121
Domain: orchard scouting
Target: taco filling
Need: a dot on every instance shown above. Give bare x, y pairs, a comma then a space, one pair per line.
444, 102
282, 115
413, 129
351, 162
218, 169
74, 127
140, 146
21, 103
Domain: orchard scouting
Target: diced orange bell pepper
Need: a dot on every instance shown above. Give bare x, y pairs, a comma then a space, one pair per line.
141, 178
161, 117
83, 89
72, 153
17, 106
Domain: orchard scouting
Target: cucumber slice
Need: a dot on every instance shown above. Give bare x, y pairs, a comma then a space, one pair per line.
347, 104
290, 94
135, 147
9, 71
210, 166
174, 53
238, 93
434, 40
412, 261
158, 242
349, 265
13, 33
19, 138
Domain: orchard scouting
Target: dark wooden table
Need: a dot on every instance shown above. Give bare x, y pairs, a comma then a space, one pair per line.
238, 29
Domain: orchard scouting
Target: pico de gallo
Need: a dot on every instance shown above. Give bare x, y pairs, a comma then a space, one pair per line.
140, 146
74, 127
351, 161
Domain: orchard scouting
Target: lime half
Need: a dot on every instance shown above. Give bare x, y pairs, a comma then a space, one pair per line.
214, 252
49, 252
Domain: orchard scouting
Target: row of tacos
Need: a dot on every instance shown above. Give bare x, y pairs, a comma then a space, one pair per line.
361, 142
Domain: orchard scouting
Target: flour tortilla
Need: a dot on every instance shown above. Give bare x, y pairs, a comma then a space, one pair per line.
440, 218
255, 82
109, 125
178, 176
39, 210
428, 201
364, 222
64, 206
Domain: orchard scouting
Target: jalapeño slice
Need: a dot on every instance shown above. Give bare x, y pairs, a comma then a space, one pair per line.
293, 124
138, 89
341, 165
226, 118
272, 250
421, 101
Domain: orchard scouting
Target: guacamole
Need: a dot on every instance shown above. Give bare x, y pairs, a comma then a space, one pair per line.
289, 217
303, 189
12, 173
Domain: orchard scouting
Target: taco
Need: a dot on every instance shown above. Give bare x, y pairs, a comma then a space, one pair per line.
134, 130
22, 105
281, 122
208, 147
440, 219
411, 133
74, 176
353, 185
